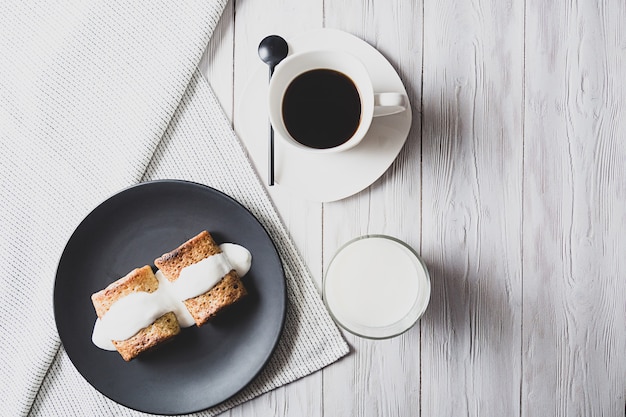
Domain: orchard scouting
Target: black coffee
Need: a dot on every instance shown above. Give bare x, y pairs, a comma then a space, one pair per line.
322, 108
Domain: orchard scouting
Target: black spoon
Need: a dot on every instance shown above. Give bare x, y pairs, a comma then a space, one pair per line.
272, 50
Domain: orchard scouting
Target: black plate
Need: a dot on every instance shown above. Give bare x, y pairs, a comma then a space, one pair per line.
203, 366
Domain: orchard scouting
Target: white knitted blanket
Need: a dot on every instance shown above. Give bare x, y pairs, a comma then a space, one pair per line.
95, 96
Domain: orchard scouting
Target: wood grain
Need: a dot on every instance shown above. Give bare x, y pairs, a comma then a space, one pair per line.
575, 227
380, 378
472, 199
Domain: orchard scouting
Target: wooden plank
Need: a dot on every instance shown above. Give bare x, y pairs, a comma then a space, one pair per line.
575, 177
254, 21
472, 199
303, 219
380, 378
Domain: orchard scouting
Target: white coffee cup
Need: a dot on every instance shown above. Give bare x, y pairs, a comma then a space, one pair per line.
323, 129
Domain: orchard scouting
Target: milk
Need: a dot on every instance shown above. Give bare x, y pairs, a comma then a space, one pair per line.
376, 286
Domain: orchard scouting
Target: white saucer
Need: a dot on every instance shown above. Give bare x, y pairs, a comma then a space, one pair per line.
326, 177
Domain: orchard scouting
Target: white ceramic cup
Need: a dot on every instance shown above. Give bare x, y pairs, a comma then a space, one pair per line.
373, 104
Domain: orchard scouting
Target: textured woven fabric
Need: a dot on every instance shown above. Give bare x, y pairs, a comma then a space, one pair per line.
97, 96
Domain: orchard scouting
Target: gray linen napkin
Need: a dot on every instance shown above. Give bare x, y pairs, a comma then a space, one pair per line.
96, 96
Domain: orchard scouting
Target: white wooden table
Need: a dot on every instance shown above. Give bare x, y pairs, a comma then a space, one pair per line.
512, 186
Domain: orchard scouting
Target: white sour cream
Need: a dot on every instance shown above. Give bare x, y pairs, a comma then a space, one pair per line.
200, 277
137, 310
239, 257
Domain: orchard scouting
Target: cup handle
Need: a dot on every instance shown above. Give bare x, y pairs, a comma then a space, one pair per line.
389, 103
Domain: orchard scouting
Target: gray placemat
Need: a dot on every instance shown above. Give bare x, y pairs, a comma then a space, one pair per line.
98, 96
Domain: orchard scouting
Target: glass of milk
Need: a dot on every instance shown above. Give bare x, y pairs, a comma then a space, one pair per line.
376, 286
